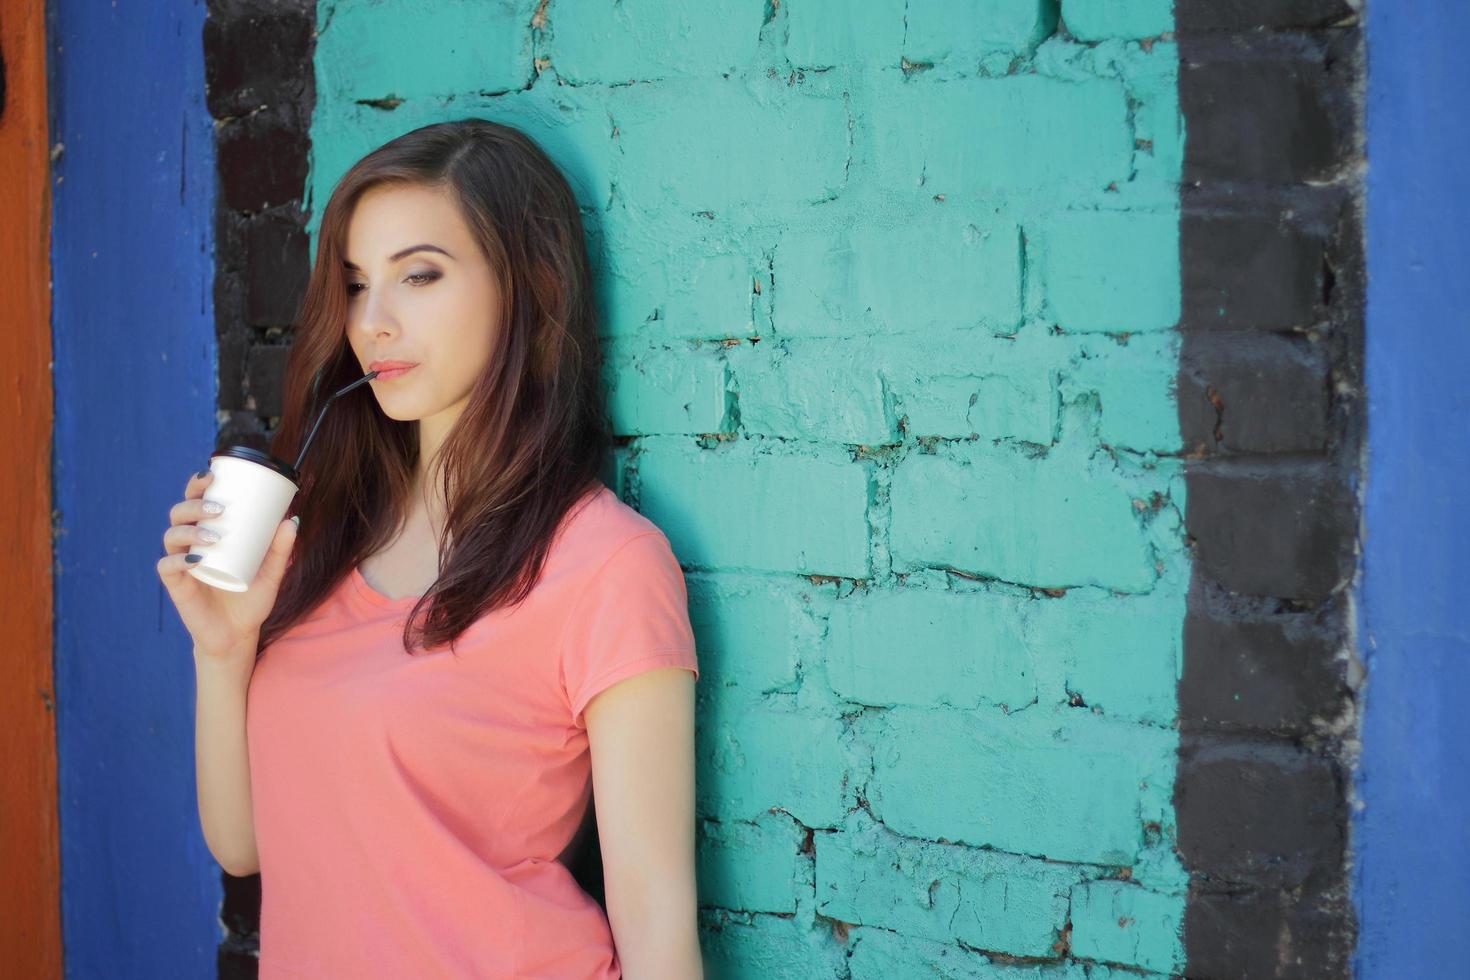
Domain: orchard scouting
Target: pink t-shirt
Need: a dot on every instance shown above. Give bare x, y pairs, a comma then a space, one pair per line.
409, 810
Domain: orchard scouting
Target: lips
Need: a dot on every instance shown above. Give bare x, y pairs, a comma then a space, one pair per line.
388, 370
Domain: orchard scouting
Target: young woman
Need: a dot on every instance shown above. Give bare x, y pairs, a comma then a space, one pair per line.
403, 723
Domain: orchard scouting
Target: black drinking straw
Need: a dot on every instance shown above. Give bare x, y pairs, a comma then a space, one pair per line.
315, 425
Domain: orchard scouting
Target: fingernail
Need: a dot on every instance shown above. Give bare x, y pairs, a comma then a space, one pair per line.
296, 519
191, 559
202, 474
207, 534
211, 507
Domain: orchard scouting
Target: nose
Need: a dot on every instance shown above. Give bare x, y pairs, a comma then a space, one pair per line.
375, 314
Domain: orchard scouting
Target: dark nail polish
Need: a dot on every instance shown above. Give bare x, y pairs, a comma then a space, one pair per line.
202, 474
191, 559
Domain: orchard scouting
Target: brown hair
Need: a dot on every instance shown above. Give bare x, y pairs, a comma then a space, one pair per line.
531, 440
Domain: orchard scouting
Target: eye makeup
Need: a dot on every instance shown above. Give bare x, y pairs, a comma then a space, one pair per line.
429, 275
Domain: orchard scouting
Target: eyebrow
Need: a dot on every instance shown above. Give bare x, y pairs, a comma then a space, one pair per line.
401, 253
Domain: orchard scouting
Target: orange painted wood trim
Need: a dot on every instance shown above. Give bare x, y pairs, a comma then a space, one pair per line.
30, 864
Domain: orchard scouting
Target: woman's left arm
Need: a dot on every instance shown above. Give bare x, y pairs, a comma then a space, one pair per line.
641, 733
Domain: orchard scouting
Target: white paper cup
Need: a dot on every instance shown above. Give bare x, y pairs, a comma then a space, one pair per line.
256, 490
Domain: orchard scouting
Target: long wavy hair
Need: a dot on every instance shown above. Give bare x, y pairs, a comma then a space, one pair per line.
531, 440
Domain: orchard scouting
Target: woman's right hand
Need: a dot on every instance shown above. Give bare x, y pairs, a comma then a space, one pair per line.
225, 625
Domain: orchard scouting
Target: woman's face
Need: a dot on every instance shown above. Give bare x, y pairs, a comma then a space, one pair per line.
438, 310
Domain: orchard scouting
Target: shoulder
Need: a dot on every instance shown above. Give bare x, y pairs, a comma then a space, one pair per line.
601, 527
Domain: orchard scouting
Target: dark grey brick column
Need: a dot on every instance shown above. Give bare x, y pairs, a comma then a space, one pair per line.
1272, 411
260, 89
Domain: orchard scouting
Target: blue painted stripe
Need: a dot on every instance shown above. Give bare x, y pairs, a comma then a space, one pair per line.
1412, 834
135, 384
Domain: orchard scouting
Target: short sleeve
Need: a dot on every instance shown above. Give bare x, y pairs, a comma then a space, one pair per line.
632, 616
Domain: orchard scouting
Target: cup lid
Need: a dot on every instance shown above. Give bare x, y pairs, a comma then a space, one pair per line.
264, 459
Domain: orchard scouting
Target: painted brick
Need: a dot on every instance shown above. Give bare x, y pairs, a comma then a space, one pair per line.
960, 31
381, 47
971, 137
873, 306
738, 946
750, 632
985, 899
829, 391
1136, 383
975, 508
569, 124
964, 384
881, 955
751, 866
1097, 20
655, 390
1114, 271
1149, 76
616, 43
831, 32
1122, 923
1120, 656
822, 33
755, 756
1158, 126
994, 407
672, 157
1130, 398
615, 470
1059, 783
920, 647
942, 273
715, 507
674, 285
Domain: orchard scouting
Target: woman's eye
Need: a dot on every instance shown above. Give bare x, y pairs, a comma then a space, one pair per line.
354, 287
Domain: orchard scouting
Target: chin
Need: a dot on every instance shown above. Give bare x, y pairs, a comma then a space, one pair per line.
400, 414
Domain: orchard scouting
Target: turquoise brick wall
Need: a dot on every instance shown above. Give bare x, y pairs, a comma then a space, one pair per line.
889, 295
